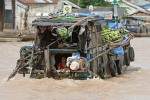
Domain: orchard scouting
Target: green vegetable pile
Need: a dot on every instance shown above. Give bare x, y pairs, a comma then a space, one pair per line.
65, 17
109, 35
63, 32
124, 31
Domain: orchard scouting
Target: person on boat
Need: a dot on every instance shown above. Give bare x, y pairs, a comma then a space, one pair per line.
46, 36
62, 65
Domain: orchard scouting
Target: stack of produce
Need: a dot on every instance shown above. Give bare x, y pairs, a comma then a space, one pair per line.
124, 31
65, 16
63, 32
109, 35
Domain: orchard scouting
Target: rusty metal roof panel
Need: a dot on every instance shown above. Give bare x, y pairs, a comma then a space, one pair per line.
51, 24
56, 22
67, 21
38, 1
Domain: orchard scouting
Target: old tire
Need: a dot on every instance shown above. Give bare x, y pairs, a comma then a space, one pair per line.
137, 30
102, 72
146, 30
119, 66
127, 59
141, 29
112, 67
25, 51
131, 54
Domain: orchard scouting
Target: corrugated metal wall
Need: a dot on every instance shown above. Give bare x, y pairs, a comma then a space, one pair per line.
34, 8
20, 17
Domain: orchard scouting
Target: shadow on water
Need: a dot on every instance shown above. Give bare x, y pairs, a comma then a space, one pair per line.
131, 69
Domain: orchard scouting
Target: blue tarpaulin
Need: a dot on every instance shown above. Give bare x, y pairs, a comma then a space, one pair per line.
113, 25
84, 14
146, 5
89, 14
133, 28
118, 50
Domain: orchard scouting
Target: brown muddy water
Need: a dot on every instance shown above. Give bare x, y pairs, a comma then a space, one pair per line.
133, 84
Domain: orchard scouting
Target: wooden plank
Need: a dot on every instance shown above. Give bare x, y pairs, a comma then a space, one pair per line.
1, 14
47, 62
64, 50
132, 25
13, 12
10, 40
24, 37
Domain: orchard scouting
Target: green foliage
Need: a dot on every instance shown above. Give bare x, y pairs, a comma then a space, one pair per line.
84, 3
74, 1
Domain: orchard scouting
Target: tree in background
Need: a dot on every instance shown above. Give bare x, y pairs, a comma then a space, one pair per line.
84, 3
75, 1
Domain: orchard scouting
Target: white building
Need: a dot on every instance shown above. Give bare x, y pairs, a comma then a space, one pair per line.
25, 11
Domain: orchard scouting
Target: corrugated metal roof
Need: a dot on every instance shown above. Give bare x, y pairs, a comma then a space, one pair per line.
146, 6
27, 1
48, 1
100, 9
55, 1
136, 7
38, 1
7, 0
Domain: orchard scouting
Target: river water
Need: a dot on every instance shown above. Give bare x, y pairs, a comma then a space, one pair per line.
133, 84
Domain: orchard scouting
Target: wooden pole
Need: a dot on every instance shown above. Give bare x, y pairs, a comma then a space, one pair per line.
2, 9
13, 12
